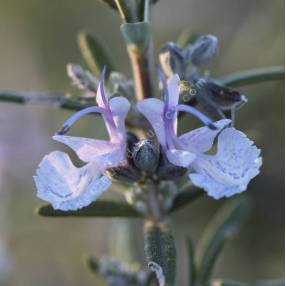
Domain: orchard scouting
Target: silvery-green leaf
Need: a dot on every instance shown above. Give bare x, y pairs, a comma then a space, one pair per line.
224, 225
160, 252
94, 53
96, 209
136, 35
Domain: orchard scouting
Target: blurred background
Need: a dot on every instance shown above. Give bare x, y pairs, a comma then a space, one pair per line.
38, 39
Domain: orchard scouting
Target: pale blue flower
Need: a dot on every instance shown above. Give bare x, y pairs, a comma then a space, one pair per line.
67, 187
227, 172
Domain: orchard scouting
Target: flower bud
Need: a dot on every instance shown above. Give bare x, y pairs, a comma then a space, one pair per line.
168, 171
83, 79
223, 97
124, 173
119, 84
145, 155
172, 60
203, 50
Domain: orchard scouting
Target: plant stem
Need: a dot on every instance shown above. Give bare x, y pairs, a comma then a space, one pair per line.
141, 67
57, 100
155, 211
253, 76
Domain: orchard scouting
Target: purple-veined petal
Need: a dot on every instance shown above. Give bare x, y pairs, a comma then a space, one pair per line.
101, 95
201, 139
180, 157
173, 91
67, 187
103, 152
152, 109
119, 107
229, 171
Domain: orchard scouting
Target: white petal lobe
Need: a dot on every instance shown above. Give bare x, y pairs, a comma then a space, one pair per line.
67, 187
229, 171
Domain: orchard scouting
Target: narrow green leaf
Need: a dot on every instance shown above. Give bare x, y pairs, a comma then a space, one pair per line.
219, 282
96, 209
192, 266
42, 99
94, 53
276, 282
253, 76
160, 252
110, 3
92, 263
224, 224
186, 195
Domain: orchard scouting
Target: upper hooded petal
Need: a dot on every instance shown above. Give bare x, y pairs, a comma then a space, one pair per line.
67, 187
173, 91
105, 153
201, 139
173, 99
229, 171
119, 107
152, 109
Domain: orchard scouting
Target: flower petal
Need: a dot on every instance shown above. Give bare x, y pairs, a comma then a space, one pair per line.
201, 139
229, 171
180, 158
152, 109
119, 107
86, 149
173, 91
67, 187
214, 188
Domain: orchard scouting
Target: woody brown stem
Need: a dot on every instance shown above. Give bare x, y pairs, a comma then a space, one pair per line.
142, 73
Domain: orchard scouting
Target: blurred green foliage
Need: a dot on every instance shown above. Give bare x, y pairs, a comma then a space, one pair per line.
38, 39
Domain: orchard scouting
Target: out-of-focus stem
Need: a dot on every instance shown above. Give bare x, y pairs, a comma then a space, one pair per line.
53, 100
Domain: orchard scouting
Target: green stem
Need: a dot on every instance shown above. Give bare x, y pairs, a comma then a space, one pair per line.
45, 99
254, 76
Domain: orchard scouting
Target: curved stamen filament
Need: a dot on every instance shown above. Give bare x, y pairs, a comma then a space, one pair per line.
76, 116
205, 119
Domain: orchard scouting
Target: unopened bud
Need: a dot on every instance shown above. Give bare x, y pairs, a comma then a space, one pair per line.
223, 97
127, 173
119, 84
146, 155
203, 50
83, 79
168, 171
172, 60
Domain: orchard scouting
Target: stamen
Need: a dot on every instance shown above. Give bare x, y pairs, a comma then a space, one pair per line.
205, 119
67, 125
